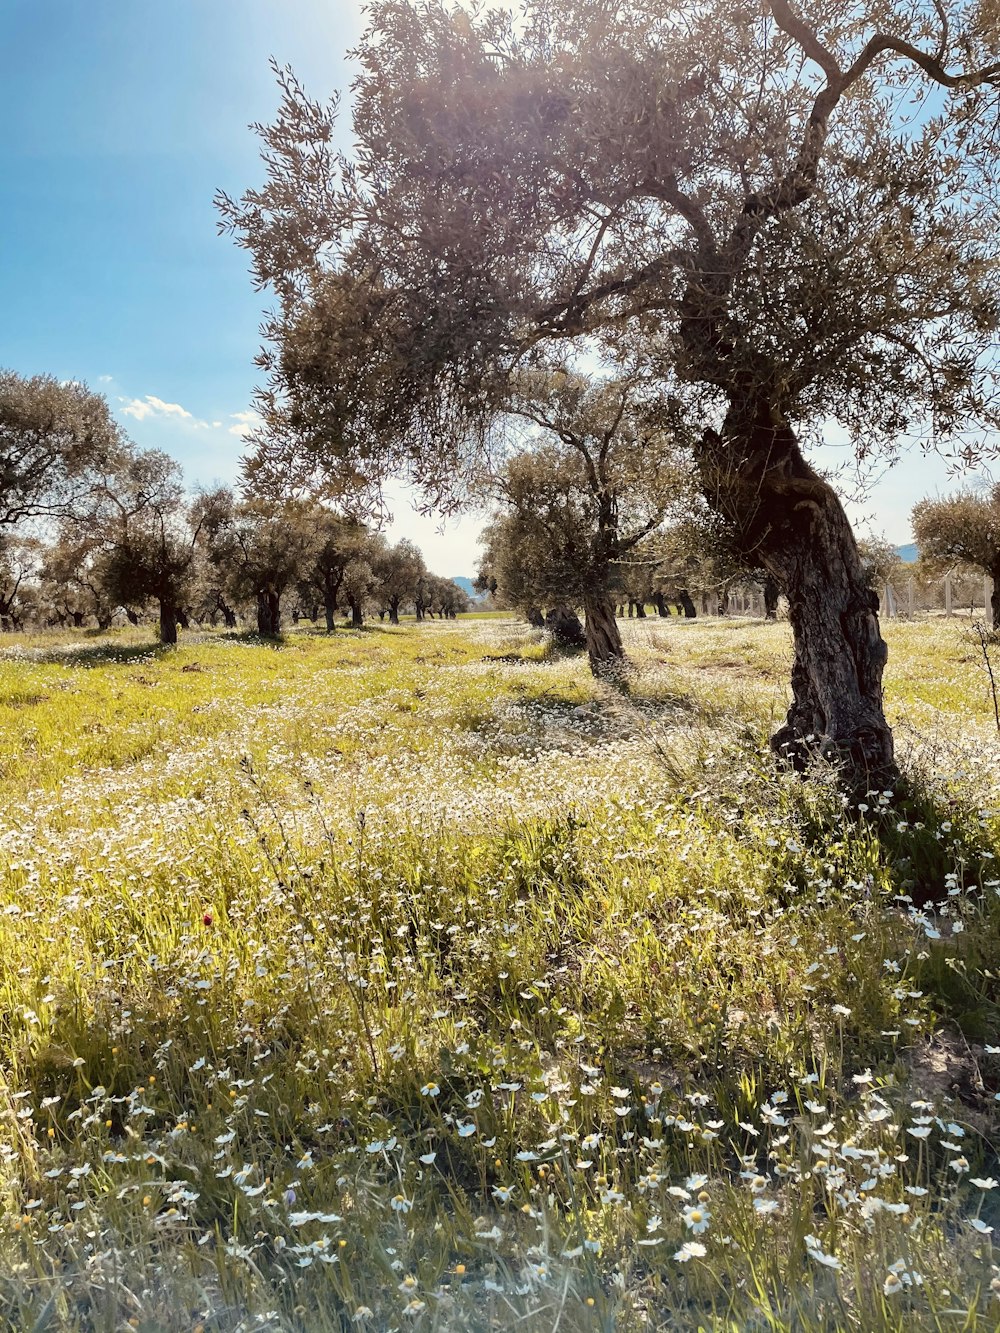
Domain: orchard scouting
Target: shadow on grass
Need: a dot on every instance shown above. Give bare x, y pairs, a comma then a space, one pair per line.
317, 631
97, 654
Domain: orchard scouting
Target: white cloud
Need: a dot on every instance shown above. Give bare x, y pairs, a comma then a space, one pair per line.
155, 409
151, 406
105, 379
245, 423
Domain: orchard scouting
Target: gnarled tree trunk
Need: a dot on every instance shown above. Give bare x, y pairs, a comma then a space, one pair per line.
791, 519
604, 642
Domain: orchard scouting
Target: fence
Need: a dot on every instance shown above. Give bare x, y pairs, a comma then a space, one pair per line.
903, 599
951, 595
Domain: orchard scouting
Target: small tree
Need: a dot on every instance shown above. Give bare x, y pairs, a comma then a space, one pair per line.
962, 529
399, 570
149, 538
546, 549
359, 584
602, 474
71, 577
338, 541
261, 549
446, 597
19, 594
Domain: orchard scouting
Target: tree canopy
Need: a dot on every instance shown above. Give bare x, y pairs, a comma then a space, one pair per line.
962, 529
600, 470
760, 197
55, 439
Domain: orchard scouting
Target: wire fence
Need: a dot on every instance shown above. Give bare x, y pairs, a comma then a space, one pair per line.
909, 597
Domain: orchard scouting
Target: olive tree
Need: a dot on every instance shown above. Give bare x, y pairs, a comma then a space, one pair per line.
360, 583
608, 470
446, 597
728, 184
399, 570
962, 529
528, 547
54, 440
260, 549
19, 592
71, 577
149, 538
338, 540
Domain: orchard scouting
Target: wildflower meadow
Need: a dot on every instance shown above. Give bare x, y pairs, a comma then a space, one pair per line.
412, 978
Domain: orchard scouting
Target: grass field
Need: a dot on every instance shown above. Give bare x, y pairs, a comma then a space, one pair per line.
411, 979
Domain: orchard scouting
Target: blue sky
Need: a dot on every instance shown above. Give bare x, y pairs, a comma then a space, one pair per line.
120, 121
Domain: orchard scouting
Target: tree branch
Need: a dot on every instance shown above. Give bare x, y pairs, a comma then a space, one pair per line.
796, 27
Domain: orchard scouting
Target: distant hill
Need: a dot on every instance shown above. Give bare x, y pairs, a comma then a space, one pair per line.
466, 585
907, 554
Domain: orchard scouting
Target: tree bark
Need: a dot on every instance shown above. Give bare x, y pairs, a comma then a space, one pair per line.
661, 606
790, 518
268, 613
604, 642
995, 599
686, 605
535, 618
357, 619
168, 623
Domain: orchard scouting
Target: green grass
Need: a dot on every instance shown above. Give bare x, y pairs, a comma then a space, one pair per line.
410, 978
